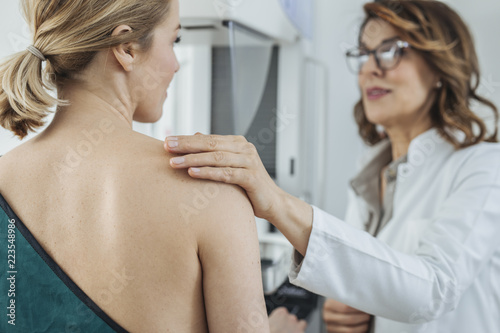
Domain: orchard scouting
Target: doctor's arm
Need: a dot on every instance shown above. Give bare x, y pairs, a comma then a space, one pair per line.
351, 266
233, 160
339, 317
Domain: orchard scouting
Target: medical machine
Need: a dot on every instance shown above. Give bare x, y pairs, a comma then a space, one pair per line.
247, 68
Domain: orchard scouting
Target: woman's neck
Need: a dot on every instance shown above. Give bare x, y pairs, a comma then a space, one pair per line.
88, 105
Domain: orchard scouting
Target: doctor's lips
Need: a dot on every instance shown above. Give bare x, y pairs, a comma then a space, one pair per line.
375, 93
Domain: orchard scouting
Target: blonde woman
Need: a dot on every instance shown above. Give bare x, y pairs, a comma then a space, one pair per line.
96, 234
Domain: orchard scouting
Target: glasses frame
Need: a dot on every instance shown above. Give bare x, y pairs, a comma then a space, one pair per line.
402, 45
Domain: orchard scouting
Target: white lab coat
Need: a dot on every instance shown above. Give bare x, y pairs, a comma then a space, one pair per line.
435, 267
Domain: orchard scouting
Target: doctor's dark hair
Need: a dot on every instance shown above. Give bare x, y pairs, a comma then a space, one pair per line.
440, 36
69, 34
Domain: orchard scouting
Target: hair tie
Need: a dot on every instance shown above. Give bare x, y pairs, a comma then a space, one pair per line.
36, 52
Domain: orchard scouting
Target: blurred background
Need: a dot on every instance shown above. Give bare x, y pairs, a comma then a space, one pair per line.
275, 71
333, 29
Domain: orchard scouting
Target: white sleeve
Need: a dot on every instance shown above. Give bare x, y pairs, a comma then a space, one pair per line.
355, 215
353, 267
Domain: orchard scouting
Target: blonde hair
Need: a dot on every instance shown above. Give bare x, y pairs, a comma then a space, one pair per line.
68, 34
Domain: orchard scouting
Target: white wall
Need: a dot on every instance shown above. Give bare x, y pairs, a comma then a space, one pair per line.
337, 24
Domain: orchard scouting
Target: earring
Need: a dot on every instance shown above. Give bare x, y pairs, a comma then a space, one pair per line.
439, 84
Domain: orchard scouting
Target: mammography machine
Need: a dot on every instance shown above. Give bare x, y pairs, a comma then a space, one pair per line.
247, 68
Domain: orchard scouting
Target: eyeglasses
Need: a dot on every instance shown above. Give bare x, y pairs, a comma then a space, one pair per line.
387, 55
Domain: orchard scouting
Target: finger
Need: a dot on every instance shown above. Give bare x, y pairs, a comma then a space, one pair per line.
302, 325
281, 311
211, 136
224, 175
347, 329
335, 306
214, 159
346, 319
206, 143
299, 326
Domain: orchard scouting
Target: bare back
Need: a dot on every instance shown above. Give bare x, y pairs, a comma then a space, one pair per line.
131, 232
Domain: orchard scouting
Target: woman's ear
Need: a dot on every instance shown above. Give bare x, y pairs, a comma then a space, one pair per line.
124, 53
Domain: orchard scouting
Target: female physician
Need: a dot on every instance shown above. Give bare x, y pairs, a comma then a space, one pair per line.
419, 248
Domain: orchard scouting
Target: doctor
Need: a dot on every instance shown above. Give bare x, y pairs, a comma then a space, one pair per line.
419, 248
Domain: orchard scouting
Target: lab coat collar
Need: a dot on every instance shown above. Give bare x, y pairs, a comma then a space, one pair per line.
380, 155
427, 143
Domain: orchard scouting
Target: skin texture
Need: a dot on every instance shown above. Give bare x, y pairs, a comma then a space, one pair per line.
157, 250
404, 113
282, 321
233, 160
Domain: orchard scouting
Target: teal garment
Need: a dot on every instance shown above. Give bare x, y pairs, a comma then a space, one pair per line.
35, 293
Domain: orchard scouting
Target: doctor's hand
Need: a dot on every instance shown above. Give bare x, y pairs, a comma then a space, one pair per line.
228, 159
281, 321
340, 318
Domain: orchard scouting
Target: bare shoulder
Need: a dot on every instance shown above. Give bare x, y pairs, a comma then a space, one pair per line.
133, 168
196, 200
14, 161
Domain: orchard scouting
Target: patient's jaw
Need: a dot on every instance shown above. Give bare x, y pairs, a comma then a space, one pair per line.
127, 80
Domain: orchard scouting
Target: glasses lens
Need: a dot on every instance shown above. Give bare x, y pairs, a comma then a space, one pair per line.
356, 58
388, 55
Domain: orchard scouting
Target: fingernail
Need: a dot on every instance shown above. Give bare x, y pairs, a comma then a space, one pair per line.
178, 160
195, 170
172, 144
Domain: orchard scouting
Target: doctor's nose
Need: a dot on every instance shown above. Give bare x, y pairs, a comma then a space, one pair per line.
370, 67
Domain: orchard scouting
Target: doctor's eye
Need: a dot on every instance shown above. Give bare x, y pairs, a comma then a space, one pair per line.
178, 40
